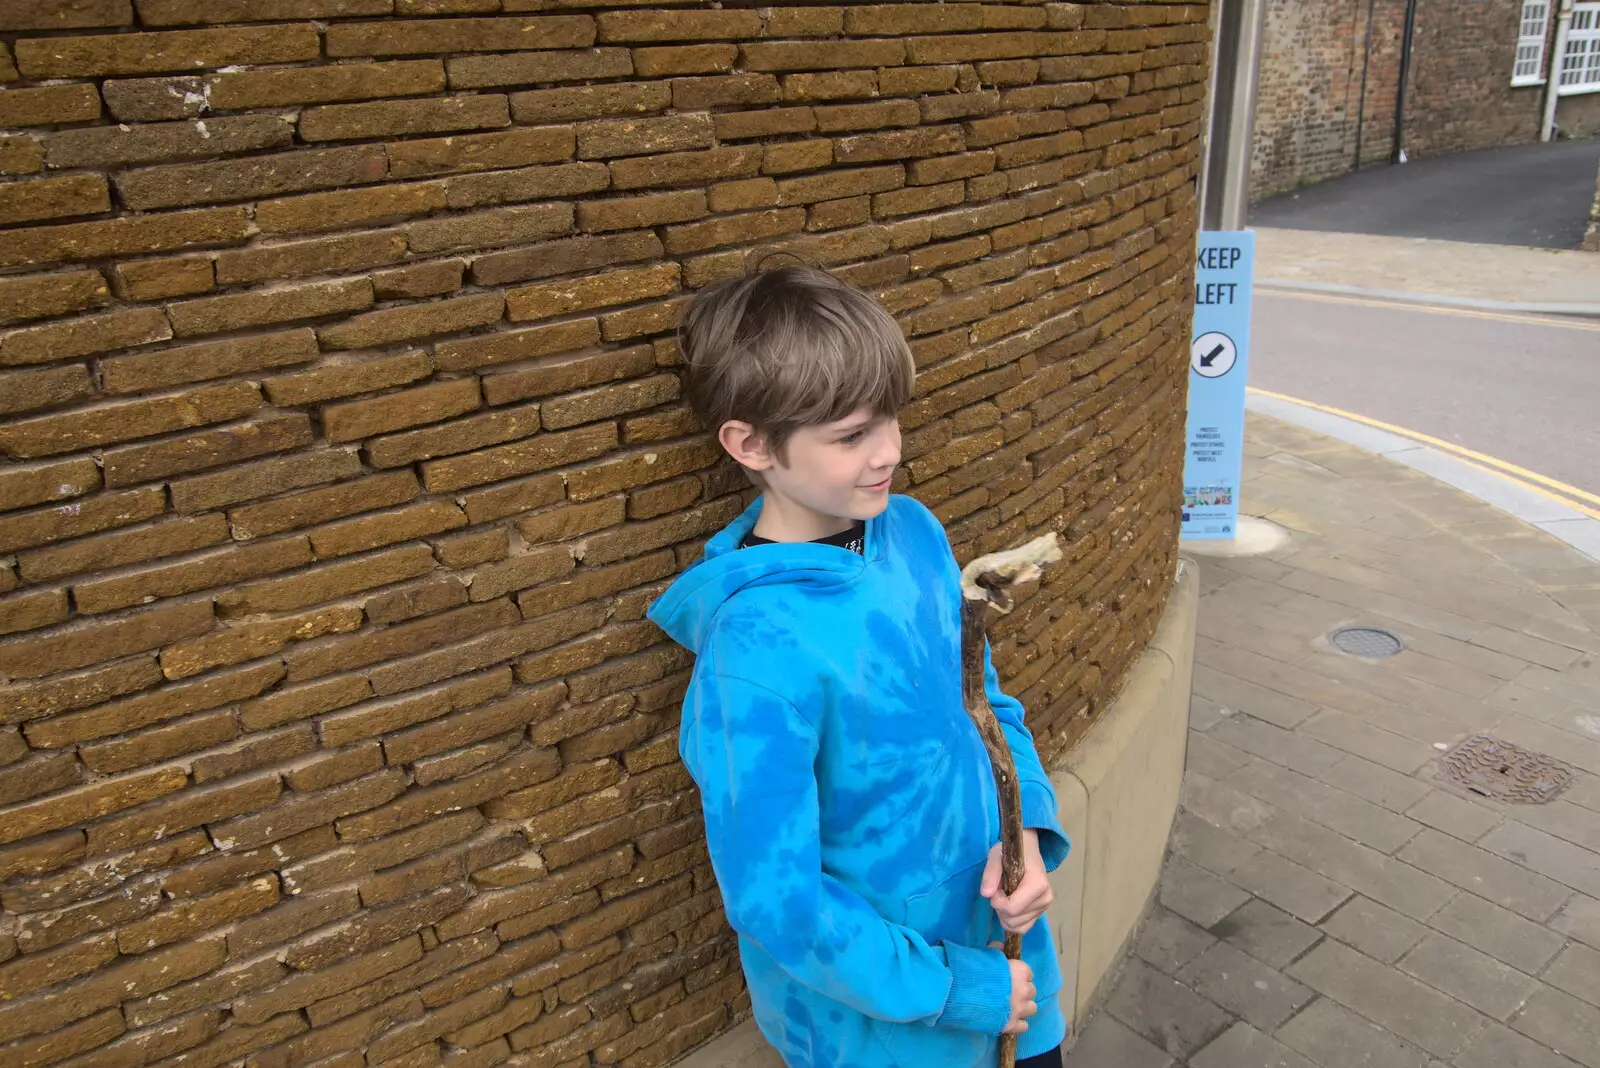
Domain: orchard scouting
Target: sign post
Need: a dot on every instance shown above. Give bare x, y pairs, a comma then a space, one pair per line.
1218, 358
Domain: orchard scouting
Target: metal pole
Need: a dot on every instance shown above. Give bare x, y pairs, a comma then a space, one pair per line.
1234, 82
1552, 84
1366, 61
1397, 152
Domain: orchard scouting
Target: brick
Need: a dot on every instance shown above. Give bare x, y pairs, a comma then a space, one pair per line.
402, 118
305, 988
235, 90
153, 53
209, 448
45, 435
395, 37
558, 376
765, 122
684, 59
89, 802
84, 336
328, 255
743, 195
198, 915
301, 702
831, 85
216, 359
613, 287
832, 55
53, 198
353, 420
178, 12
734, 229
326, 583
516, 345
32, 610
836, 184
415, 599
732, 89
349, 207
949, 168
126, 547
485, 721
605, 138
481, 652
489, 229
155, 99
915, 81
565, 257
519, 572
201, 572
386, 528
20, 154
526, 183
239, 311
39, 970
686, 168
243, 482
124, 145
626, 213
48, 295
179, 276
235, 645
520, 68
48, 105
408, 322
632, 26
636, 538
184, 184
420, 280
55, 15
843, 117
459, 436
46, 387
927, 141
608, 401
520, 458
155, 706
343, 380
590, 102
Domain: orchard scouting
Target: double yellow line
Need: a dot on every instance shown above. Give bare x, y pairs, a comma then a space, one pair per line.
1571, 496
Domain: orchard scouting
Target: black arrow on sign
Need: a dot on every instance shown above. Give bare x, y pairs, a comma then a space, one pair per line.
1211, 357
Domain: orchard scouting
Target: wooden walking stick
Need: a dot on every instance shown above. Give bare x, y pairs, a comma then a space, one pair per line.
986, 585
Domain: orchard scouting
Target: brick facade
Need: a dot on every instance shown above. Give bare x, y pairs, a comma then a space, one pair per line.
1459, 97
341, 451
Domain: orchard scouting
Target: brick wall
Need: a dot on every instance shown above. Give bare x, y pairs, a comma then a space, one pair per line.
1459, 96
1591, 238
343, 451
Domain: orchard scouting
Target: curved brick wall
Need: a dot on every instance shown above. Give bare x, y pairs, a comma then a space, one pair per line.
342, 452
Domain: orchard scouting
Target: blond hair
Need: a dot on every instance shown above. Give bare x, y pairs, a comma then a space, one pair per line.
788, 348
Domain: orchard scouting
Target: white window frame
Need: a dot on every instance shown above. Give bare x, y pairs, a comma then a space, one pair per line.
1533, 28
1578, 68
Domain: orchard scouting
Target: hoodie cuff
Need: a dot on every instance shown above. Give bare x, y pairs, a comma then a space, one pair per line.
980, 990
1039, 814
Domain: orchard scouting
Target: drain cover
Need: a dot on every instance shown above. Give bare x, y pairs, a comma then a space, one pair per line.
1369, 642
1506, 772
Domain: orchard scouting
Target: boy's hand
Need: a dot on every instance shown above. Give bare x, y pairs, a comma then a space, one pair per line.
1022, 996
1020, 910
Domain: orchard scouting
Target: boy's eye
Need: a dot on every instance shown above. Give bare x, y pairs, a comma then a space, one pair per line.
853, 437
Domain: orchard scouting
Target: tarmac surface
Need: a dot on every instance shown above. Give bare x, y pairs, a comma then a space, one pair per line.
1531, 195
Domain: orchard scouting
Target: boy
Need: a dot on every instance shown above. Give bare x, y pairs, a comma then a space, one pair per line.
849, 804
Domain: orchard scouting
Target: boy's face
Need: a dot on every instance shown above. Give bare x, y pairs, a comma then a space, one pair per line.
833, 471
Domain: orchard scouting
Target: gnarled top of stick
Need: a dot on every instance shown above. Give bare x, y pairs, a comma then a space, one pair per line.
990, 577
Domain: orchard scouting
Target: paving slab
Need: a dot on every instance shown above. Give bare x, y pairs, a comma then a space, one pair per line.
1577, 971
1455, 816
1505, 883
1500, 933
1266, 932
1563, 1023
1197, 895
1498, 1046
1242, 1046
1298, 891
1379, 932
1107, 1041
1580, 918
1168, 941
1164, 1011
1468, 975
1242, 985
1334, 1037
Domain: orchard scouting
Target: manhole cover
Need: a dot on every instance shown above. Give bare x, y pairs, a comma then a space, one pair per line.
1506, 772
1369, 642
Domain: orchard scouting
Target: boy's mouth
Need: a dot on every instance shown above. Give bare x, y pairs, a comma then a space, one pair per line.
879, 487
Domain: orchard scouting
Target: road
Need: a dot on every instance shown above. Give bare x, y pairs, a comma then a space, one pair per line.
1520, 388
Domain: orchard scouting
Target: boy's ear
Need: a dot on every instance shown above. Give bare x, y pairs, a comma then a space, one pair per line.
745, 445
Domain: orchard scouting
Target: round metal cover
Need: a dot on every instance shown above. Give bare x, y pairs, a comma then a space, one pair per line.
1494, 768
1369, 642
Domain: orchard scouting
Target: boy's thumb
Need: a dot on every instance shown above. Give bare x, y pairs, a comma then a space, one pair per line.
991, 874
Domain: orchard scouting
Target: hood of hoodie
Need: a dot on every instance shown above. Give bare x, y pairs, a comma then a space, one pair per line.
688, 606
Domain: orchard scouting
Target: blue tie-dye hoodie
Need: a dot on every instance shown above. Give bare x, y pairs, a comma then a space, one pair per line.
849, 803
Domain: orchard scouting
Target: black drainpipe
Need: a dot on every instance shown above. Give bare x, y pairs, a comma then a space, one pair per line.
1398, 148
1366, 60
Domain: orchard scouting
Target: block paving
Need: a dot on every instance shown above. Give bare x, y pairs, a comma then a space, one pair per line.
1330, 901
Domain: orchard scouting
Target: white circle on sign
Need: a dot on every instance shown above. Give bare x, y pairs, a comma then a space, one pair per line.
1212, 355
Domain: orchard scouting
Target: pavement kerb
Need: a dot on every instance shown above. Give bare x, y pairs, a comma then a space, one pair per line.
1536, 509
1473, 303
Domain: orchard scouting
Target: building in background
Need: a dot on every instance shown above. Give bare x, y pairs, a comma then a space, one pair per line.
1344, 84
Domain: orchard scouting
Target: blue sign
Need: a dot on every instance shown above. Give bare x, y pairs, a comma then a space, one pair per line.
1214, 461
